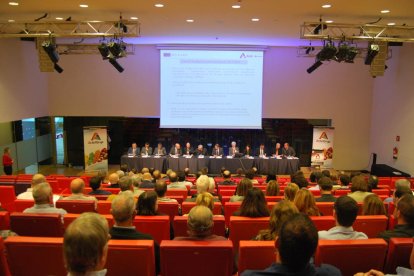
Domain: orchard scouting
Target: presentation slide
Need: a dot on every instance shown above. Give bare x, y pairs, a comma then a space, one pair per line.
211, 89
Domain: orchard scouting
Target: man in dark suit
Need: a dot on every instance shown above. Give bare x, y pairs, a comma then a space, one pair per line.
217, 150
261, 152
188, 150
146, 150
160, 150
227, 179
288, 150
233, 150
176, 150
133, 150
200, 151
278, 150
123, 211
147, 181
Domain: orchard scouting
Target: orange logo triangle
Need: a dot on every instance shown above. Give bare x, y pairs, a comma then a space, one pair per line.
323, 136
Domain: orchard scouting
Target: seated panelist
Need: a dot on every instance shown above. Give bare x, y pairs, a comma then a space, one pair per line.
160, 150
146, 150
133, 150
217, 151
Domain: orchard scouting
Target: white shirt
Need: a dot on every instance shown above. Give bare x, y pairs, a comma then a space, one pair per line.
29, 195
341, 233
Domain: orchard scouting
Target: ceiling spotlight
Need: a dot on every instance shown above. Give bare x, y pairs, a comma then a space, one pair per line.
342, 53
104, 50
118, 50
373, 50
190, 20
59, 18
391, 24
13, 3
328, 52
116, 65
329, 21
314, 66
50, 49
159, 5
237, 5
133, 18
83, 6
10, 20
326, 6
255, 19
351, 54
385, 11
58, 68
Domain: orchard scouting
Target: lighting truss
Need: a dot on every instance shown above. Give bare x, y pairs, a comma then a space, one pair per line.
367, 32
70, 29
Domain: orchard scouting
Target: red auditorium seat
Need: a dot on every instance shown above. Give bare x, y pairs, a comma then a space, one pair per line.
256, 255
55, 186
341, 192
4, 267
225, 199
274, 198
201, 258
315, 192
36, 225
371, 225
34, 251
244, 228
177, 192
326, 208
229, 209
7, 197
168, 208
76, 206
227, 188
187, 206
224, 192
22, 204
113, 191
352, 256
399, 251
4, 220
68, 218
104, 207
180, 226
384, 181
157, 226
392, 222
323, 222
21, 185
101, 197
379, 192
179, 199
271, 205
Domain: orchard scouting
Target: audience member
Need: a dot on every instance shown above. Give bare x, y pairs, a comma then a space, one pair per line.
205, 199
281, 213
202, 185
125, 184
359, 189
302, 182
373, 206
254, 205
372, 183
315, 176
174, 184
182, 179
43, 201
161, 189
250, 175
242, 188
77, 187
290, 191
272, 188
36, 179
345, 214
113, 180
305, 202
344, 180
147, 204
325, 185
120, 173
296, 244
95, 183
135, 184
326, 173
227, 178
146, 181
402, 187
156, 175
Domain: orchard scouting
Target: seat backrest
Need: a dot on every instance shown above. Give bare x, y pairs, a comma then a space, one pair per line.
68, 218
347, 255
244, 228
168, 208
188, 205
36, 225
392, 222
399, 251
195, 253
229, 209
7, 197
35, 251
4, 266
180, 226
224, 192
342, 192
371, 225
76, 206
114, 191
104, 207
274, 198
256, 255
177, 192
22, 204
131, 257
385, 192
157, 226
323, 222
4, 220
326, 208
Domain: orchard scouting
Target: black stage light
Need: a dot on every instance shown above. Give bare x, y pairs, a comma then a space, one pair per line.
342, 53
352, 53
373, 50
58, 68
309, 49
319, 28
116, 65
328, 52
50, 49
117, 49
314, 66
104, 50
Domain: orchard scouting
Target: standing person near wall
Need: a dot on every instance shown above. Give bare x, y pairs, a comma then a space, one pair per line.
7, 162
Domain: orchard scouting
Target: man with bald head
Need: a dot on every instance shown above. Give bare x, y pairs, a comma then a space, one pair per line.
125, 184
174, 184
36, 179
113, 180
77, 186
43, 198
147, 181
176, 150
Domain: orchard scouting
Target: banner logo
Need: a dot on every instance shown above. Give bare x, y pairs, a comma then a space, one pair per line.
242, 55
95, 136
323, 136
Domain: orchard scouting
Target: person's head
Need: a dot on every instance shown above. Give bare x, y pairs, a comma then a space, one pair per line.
113, 178
280, 213
277, 145
123, 208
156, 174
159, 146
173, 177
147, 204
200, 147
344, 179
145, 170
211, 185
202, 184
226, 174
305, 202
38, 178
160, 188
134, 145
42, 193
146, 145
95, 182
326, 173
346, 211
6, 150
254, 204
188, 145
217, 146
301, 182
373, 182
286, 145
233, 144
402, 187
239, 171
262, 146
147, 176
124, 168
177, 146
270, 177
180, 176
272, 188
250, 174
200, 221
205, 199
204, 171
247, 147
77, 185
297, 242
125, 184
244, 186
373, 206
325, 185
359, 183
186, 171
405, 210
290, 191
135, 179
120, 173
315, 176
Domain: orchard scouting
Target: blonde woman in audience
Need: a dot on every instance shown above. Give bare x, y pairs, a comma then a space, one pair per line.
290, 191
281, 213
242, 188
373, 206
305, 202
205, 199
272, 188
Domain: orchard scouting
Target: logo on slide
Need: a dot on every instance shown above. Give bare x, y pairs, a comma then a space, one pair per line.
324, 136
95, 137
242, 55
167, 54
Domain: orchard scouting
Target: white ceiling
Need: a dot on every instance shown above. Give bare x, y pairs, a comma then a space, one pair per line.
214, 20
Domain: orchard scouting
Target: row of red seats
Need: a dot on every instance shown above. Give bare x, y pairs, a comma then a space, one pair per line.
207, 258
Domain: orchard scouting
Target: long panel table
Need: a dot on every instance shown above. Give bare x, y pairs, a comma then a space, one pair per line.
214, 165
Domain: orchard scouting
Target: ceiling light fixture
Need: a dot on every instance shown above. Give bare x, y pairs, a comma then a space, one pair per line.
13, 3
10, 20
159, 5
50, 49
190, 20
328, 52
133, 18
326, 6
391, 24
83, 6
346, 53
255, 19
373, 50
329, 21
59, 18
237, 5
385, 11
112, 51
